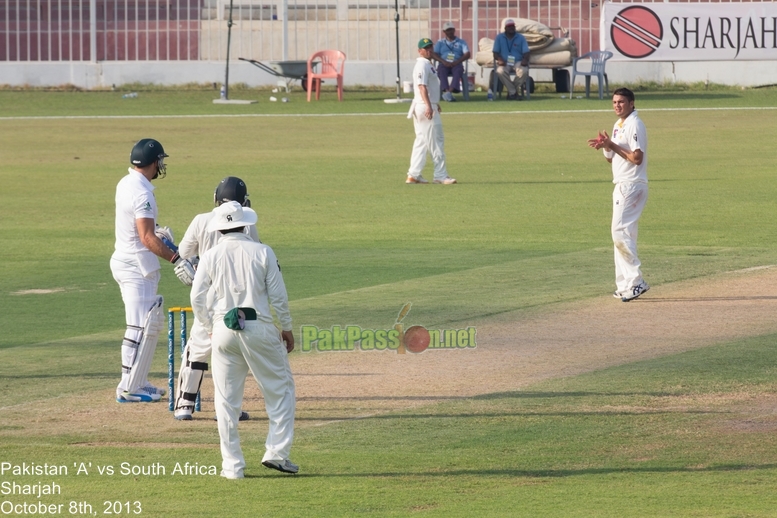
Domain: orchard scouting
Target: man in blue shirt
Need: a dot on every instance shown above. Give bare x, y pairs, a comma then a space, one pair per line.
511, 52
450, 53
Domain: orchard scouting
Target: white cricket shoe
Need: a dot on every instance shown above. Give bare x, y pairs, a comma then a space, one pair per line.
285, 466
183, 414
446, 181
416, 179
154, 389
140, 396
635, 292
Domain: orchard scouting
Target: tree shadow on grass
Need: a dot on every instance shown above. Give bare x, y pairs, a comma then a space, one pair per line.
534, 182
388, 414
383, 415
543, 473
684, 96
499, 415
491, 396
79, 375
327, 374
565, 182
543, 395
702, 299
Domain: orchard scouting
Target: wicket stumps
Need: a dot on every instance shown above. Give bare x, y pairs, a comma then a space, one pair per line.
171, 353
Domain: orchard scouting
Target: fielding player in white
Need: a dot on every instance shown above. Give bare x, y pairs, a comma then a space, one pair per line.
425, 112
197, 240
135, 267
627, 151
246, 280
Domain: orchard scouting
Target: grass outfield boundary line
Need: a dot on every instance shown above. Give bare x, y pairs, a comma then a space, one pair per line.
242, 115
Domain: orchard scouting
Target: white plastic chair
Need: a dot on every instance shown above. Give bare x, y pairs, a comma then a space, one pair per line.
598, 60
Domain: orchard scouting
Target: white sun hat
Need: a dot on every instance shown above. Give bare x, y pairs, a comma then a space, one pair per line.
231, 215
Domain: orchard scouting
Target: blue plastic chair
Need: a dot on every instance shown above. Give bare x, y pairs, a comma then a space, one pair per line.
598, 60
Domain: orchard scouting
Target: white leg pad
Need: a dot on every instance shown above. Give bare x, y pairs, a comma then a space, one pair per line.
153, 326
189, 380
129, 348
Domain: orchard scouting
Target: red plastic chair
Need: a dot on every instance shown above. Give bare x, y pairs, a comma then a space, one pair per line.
332, 64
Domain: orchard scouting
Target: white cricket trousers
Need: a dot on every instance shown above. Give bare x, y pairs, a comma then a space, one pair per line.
257, 348
198, 345
138, 292
428, 137
628, 201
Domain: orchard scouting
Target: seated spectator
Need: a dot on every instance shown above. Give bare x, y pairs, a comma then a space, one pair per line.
511, 54
450, 53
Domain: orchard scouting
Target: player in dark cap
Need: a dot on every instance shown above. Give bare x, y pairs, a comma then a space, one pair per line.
135, 266
195, 242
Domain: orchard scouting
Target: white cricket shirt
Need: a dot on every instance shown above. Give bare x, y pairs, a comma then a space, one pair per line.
632, 135
134, 200
197, 239
241, 273
425, 74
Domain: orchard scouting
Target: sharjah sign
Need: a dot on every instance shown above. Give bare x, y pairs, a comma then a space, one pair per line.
690, 32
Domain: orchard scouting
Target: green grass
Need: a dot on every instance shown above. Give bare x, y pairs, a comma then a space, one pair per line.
153, 101
531, 213
526, 228
684, 435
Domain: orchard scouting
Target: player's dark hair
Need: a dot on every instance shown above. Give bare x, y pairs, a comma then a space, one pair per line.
232, 230
625, 92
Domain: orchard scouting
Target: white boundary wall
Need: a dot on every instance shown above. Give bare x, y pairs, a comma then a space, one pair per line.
105, 74
102, 75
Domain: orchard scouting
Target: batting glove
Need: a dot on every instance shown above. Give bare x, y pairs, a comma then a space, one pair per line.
184, 269
164, 233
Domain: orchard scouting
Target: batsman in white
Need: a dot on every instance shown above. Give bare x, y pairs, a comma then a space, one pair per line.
197, 240
425, 112
135, 267
245, 279
626, 150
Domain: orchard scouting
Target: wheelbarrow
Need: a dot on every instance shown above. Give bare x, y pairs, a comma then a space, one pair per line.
290, 71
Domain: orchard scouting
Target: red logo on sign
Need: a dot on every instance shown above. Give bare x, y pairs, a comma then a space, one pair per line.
636, 32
